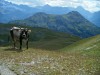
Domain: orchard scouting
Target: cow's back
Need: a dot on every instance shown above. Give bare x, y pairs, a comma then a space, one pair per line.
15, 33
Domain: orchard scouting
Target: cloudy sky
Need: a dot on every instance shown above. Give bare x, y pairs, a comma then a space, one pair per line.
91, 5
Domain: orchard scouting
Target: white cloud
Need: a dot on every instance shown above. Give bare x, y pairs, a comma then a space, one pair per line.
55, 2
91, 5
31, 3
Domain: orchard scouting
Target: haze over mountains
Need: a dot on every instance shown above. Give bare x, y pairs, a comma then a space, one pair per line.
10, 11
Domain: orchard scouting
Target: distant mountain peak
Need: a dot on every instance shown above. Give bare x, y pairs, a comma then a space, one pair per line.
80, 7
40, 13
74, 13
47, 5
3, 2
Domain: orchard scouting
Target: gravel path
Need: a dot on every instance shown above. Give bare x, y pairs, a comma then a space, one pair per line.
6, 71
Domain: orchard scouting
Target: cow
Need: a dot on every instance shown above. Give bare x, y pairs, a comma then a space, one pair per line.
19, 34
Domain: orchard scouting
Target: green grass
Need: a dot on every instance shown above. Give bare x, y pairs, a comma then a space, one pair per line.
49, 62
40, 37
80, 58
52, 53
89, 45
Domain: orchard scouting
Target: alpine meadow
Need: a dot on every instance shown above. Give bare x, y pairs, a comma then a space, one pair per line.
64, 37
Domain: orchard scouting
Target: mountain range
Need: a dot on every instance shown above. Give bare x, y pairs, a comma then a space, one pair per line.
73, 23
10, 11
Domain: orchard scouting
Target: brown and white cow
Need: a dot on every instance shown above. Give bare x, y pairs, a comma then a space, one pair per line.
19, 34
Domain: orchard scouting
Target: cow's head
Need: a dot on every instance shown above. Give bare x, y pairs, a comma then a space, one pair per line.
25, 33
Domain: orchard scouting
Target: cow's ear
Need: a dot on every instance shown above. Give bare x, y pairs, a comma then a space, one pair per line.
29, 31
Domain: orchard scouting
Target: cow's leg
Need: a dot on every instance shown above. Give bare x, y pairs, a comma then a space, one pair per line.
14, 45
20, 44
12, 36
27, 43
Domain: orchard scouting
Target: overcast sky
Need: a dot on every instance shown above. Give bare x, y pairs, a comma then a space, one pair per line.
91, 5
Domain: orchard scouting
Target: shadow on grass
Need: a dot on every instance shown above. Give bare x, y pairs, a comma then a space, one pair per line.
9, 47
42, 45
13, 49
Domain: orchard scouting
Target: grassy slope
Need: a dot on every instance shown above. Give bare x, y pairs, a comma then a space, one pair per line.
89, 46
45, 62
80, 58
90, 49
41, 37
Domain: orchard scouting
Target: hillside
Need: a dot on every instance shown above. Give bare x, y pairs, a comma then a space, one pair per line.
73, 23
88, 45
80, 58
41, 37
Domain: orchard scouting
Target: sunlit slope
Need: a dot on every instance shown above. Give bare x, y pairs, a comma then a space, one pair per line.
89, 45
